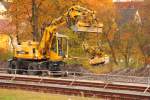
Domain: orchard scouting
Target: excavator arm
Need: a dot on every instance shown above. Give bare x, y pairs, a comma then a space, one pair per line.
71, 18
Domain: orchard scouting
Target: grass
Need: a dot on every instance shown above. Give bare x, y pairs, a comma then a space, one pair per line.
6, 94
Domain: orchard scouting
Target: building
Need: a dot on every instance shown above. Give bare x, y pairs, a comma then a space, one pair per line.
129, 11
128, 15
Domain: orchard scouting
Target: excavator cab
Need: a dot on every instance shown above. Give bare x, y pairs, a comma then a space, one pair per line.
59, 48
62, 45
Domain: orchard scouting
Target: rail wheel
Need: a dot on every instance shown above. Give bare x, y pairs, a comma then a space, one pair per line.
32, 69
45, 72
54, 69
13, 67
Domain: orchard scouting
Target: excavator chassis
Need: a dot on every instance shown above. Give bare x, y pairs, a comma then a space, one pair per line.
33, 67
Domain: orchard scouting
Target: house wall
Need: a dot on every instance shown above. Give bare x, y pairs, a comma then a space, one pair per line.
5, 43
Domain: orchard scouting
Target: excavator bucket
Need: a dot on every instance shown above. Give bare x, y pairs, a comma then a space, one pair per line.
99, 60
86, 27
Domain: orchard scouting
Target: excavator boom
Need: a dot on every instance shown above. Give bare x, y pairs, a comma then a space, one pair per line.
74, 19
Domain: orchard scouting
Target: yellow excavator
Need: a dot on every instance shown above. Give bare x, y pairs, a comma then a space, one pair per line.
49, 52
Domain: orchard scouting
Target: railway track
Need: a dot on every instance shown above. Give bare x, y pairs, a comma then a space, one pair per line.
77, 87
74, 82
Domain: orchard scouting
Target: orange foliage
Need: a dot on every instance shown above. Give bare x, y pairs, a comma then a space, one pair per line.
110, 36
148, 60
126, 36
98, 3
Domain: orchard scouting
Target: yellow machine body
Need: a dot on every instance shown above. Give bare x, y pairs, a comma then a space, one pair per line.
29, 50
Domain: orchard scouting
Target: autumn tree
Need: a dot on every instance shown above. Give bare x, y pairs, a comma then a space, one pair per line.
143, 33
107, 14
